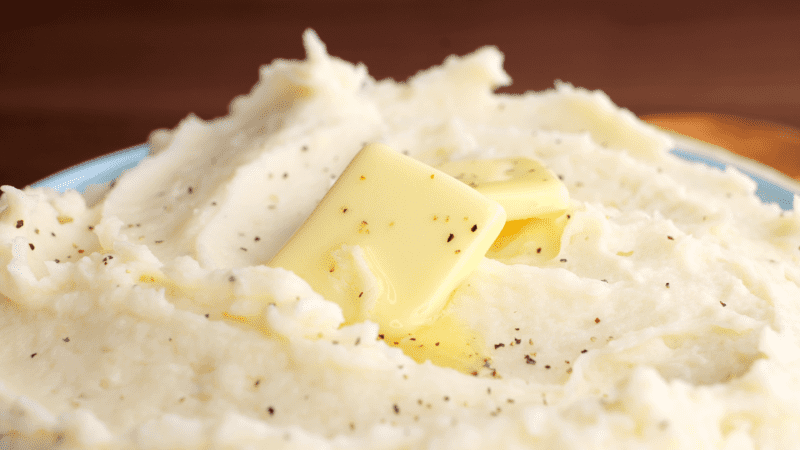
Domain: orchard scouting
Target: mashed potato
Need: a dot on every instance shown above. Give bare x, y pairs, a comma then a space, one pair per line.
668, 319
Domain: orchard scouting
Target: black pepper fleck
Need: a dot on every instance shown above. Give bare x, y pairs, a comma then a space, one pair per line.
723, 303
190, 190
529, 360
546, 367
396, 408
20, 223
159, 242
58, 261
450, 238
33, 354
670, 238
66, 339
257, 239
667, 285
563, 260
231, 278
360, 294
539, 250
285, 175
496, 346
31, 246
271, 411
518, 341
474, 227
242, 249
584, 351
206, 316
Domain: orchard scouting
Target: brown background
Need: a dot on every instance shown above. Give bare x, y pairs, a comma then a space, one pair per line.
81, 79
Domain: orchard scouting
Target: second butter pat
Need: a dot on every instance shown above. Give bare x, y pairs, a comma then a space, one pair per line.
392, 239
524, 187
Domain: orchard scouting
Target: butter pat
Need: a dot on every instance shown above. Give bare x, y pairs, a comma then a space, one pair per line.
392, 239
537, 237
524, 187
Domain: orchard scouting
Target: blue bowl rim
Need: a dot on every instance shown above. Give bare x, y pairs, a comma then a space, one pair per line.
772, 186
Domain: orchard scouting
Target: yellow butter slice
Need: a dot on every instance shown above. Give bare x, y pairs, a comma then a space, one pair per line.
524, 187
540, 238
392, 239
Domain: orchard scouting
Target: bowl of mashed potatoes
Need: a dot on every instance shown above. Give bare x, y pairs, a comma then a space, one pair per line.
655, 308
